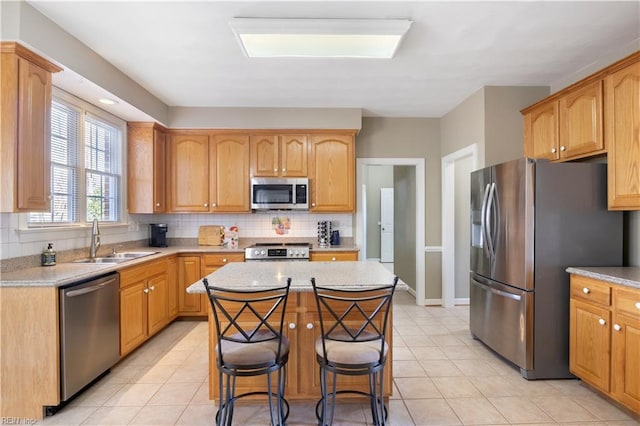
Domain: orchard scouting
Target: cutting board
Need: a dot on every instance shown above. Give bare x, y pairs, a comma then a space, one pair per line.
210, 235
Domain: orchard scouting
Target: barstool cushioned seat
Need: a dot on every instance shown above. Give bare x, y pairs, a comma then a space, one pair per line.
247, 354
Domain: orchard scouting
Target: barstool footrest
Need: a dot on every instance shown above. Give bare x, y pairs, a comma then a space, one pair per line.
353, 392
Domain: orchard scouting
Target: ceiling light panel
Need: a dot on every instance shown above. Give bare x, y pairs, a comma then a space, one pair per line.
319, 38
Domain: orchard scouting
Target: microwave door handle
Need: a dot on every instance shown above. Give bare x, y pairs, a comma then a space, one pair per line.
483, 223
488, 218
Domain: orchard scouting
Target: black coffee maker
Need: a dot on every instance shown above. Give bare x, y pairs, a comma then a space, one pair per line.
158, 235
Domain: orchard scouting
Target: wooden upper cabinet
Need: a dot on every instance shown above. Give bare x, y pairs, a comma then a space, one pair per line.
622, 127
580, 123
229, 159
332, 173
146, 176
293, 155
188, 173
279, 155
25, 141
541, 132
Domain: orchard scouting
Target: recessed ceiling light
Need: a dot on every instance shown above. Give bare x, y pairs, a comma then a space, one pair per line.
107, 101
319, 38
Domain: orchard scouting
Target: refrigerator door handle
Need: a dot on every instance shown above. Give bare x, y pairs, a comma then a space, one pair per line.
498, 292
488, 227
483, 223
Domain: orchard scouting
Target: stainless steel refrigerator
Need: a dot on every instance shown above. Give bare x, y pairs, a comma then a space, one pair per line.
530, 220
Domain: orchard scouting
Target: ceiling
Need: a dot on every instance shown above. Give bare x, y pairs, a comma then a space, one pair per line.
185, 54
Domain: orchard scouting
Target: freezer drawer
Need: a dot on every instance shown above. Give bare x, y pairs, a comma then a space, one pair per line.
500, 316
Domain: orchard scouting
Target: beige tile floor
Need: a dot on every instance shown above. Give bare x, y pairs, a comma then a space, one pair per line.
442, 377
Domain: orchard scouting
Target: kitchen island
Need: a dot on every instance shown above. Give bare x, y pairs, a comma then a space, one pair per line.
301, 316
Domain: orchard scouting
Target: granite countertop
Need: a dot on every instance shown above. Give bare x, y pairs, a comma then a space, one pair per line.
266, 274
623, 275
68, 272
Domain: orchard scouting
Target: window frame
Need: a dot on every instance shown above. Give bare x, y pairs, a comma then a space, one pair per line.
87, 110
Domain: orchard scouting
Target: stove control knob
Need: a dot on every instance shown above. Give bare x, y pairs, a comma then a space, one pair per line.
256, 252
263, 253
290, 252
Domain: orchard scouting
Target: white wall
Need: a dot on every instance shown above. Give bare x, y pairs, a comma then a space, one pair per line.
462, 197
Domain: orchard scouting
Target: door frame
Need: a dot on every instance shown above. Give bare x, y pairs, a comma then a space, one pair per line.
418, 163
448, 222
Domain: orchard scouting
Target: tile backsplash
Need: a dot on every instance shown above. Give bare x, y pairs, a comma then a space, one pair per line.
16, 242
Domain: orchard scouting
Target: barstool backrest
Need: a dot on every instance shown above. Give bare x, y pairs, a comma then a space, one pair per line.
348, 315
248, 316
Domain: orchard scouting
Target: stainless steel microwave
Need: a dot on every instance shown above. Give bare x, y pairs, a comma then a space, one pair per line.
280, 194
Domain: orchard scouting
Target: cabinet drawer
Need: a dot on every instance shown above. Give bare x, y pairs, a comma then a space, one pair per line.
221, 259
141, 272
588, 289
627, 301
331, 256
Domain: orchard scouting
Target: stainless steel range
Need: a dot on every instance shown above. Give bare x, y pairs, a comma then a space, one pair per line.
277, 251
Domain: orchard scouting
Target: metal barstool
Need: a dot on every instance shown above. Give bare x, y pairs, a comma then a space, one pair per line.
250, 342
353, 326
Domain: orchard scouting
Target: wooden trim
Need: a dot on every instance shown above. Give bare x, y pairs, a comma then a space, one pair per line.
29, 351
598, 75
253, 132
146, 124
23, 52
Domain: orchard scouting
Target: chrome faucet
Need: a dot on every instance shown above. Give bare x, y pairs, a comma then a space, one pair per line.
95, 239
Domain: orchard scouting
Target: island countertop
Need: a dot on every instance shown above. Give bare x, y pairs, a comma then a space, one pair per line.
266, 274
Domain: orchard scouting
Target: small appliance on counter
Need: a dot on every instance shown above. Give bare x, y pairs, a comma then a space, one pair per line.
335, 237
158, 234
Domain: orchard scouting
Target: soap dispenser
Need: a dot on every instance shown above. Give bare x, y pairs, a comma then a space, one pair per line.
49, 256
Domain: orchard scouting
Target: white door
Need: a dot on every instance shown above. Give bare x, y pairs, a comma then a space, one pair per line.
386, 224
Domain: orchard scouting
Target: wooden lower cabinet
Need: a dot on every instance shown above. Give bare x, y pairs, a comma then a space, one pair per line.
188, 273
144, 303
210, 263
333, 256
172, 278
604, 338
302, 327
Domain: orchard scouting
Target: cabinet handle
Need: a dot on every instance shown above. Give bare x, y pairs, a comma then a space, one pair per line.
153, 287
313, 204
601, 321
553, 150
616, 327
284, 170
309, 326
49, 197
275, 170
638, 305
206, 204
333, 259
563, 148
213, 204
157, 204
292, 325
146, 290
224, 260
586, 290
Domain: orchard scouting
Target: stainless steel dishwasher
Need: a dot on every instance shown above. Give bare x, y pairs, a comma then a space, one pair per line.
89, 332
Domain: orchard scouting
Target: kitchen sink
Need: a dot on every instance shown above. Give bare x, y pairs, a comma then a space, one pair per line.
117, 257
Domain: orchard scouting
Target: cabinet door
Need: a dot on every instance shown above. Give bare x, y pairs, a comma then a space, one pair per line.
332, 173
230, 167
188, 179
157, 302
625, 376
172, 287
34, 138
159, 172
589, 344
146, 187
133, 316
188, 273
541, 132
622, 127
293, 155
580, 131
264, 156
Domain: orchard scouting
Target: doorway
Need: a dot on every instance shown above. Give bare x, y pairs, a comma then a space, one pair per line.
416, 276
456, 170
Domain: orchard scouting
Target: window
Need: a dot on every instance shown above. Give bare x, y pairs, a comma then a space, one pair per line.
86, 168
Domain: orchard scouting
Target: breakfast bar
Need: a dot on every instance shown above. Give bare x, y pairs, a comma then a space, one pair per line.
301, 317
